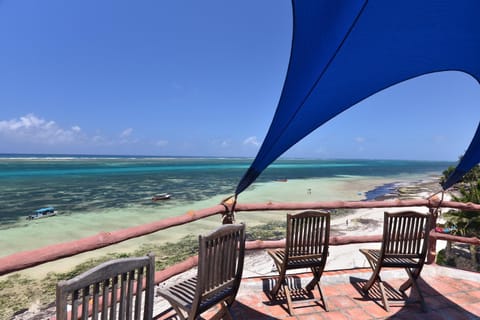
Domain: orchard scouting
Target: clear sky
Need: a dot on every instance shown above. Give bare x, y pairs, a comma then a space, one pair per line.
194, 78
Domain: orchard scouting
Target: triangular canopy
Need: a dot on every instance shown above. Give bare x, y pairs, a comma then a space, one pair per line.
345, 51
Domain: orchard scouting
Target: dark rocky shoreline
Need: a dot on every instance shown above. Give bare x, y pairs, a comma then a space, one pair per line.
403, 190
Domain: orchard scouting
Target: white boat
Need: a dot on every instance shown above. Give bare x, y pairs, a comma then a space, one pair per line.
42, 213
161, 196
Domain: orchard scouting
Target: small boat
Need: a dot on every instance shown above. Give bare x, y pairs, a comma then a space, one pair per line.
42, 213
161, 196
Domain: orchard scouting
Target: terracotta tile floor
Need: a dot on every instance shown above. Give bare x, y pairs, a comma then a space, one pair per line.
449, 294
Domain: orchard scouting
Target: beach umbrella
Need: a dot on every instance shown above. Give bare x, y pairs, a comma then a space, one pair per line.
345, 51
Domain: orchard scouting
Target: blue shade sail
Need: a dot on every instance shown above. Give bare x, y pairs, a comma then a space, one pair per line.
345, 51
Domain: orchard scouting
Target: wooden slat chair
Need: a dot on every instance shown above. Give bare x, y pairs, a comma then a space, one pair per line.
306, 246
220, 266
111, 290
404, 245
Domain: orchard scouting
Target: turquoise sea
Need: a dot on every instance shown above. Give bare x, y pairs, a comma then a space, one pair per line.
97, 194
77, 185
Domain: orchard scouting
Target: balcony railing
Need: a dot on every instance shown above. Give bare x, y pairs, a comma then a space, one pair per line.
31, 258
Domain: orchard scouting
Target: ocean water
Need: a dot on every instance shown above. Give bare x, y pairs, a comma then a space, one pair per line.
95, 194
79, 185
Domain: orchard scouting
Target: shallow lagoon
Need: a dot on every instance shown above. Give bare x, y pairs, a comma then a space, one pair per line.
96, 195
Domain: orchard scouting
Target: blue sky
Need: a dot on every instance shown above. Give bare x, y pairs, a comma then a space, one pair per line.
194, 78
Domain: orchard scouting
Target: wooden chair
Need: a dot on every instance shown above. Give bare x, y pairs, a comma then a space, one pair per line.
306, 246
404, 245
220, 266
112, 289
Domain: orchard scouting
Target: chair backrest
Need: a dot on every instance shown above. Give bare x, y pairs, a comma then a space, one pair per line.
308, 235
220, 264
112, 289
406, 234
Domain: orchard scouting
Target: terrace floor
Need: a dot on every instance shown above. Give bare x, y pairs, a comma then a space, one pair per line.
449, 294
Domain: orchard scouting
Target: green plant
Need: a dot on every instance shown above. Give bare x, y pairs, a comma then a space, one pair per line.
273, 230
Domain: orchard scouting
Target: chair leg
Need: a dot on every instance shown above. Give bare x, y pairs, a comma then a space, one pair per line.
415, 274
179, 312
376, 276
317, 273
407, 284
324, 298
289, 299
280, 281
384, 294
223, 313
413, 282
371, 281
